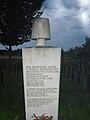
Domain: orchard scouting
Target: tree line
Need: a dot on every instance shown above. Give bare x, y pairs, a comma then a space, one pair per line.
82, 52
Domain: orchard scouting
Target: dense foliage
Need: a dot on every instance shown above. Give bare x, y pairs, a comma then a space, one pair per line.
16, 18
80, 52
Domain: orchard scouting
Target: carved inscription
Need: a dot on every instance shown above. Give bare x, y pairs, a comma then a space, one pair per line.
36, 75
38, 102
38, 94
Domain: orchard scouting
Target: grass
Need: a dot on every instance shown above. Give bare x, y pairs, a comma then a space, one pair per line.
74, 99
74, 112
9, 115
11, 94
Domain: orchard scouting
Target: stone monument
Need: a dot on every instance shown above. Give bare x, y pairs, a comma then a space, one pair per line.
41, 72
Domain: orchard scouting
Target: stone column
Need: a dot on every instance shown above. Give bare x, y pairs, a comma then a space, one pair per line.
41, 72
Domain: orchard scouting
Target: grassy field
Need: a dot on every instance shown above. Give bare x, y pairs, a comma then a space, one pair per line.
11, 90
75, 101
74, 98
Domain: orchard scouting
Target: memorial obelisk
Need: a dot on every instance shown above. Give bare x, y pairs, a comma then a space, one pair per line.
41, 72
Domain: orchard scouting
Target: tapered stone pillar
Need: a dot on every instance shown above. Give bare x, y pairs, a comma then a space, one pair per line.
41, 72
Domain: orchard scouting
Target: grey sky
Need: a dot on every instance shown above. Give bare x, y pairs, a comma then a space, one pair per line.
70, 21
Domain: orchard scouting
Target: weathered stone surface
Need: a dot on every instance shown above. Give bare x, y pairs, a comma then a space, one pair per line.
41, 69
41, 29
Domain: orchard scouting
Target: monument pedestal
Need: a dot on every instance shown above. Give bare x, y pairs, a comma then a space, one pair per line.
41, 71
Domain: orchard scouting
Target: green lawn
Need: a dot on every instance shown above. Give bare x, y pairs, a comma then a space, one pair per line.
74, 99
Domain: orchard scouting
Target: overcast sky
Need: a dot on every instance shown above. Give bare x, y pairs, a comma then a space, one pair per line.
69, 22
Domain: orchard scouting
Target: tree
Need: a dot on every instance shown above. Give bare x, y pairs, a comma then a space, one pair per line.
80, 52
86, 48
16, 18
